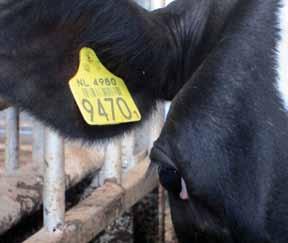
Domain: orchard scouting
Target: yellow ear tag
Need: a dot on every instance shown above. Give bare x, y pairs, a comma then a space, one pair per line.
102, 97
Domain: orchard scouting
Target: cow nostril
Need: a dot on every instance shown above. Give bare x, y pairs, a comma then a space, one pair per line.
169, 176
170, 179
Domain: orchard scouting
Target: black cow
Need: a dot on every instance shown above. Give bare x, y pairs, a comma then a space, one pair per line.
222, 153
226, 134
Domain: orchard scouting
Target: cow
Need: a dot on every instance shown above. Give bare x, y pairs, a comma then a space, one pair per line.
222, 152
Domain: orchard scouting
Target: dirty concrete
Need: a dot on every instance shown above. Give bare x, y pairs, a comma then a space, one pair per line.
101, 208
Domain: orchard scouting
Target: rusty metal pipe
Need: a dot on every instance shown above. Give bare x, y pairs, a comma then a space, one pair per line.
54, 182
12, 140
127, 152
112, 168
38, 142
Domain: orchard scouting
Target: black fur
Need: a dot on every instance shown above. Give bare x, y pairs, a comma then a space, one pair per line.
40, 42
226, 133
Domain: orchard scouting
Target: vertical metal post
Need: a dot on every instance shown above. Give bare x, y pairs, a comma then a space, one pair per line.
12, 140
118, 152
112, 167
96, 181
38, 142
127, 151
54, 182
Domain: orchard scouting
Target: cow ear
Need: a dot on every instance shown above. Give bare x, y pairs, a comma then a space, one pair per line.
40, 54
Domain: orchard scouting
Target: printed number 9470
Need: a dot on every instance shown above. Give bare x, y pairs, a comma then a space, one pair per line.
108, 108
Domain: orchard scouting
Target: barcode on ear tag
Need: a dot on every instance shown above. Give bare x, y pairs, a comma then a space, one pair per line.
102, 97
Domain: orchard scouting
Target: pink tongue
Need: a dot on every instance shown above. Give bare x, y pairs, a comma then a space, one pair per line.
183, 194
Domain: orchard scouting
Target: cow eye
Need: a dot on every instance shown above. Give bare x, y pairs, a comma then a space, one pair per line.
169, 178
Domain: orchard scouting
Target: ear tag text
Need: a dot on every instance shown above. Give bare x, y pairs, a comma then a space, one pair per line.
102, 97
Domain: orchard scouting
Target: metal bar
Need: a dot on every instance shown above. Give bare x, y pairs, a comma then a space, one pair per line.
102, 207
12, 140
112, 168
80, 162
38, 142
127, 151
54, 182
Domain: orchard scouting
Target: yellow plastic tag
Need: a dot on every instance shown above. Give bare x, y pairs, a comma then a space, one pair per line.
102, 97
